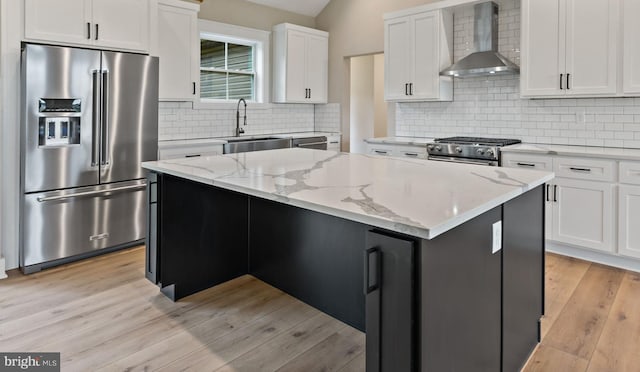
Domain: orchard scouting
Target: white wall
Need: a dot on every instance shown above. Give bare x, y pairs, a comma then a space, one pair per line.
362, 106
380, 106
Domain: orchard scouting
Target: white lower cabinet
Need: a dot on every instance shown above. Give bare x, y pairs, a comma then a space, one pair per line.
333, 142
629, 220
185, 150
582, 213
580, 206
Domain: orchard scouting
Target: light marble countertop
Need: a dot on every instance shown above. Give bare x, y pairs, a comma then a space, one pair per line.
581, 151
411, 141
412, 196
223, 140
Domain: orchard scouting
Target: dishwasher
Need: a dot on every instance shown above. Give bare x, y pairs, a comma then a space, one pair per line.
318, 143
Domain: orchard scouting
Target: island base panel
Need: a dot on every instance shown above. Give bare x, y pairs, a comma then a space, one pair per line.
315, 257
460, 301
203, 236
523, 277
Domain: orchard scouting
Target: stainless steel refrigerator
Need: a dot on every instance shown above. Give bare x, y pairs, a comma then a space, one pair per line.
89, 118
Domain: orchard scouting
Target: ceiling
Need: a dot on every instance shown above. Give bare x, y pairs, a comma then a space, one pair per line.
306, 7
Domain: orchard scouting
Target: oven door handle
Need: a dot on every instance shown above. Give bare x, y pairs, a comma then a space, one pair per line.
465, 161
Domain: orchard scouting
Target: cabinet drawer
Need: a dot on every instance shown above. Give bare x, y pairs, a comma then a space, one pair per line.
630, 172
527, 161
419, 152
384, 150
585, 169
189, 151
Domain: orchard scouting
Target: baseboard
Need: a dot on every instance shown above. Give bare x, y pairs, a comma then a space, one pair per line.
3, 273
621, 262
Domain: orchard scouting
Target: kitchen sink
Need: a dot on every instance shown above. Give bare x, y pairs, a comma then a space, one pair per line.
235, 145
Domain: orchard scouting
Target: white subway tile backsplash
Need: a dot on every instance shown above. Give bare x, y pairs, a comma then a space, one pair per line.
491, 106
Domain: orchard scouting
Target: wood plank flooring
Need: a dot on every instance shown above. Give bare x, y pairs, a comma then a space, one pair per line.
103, 315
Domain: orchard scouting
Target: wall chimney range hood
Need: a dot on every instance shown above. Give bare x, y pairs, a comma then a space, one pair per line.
486, 60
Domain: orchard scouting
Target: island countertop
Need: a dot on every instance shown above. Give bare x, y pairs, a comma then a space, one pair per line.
412, 196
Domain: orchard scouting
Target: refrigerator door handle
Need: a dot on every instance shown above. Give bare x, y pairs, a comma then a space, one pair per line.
104, 154
90, 193
95, 119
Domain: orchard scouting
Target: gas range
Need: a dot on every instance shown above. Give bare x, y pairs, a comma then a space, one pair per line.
474, 150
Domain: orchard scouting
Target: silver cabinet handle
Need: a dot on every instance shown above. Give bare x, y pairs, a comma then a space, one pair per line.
43, 199
410, 154
192, 155
380, 152
526, 165
587, 170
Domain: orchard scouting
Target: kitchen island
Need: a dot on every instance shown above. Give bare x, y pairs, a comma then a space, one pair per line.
441, 264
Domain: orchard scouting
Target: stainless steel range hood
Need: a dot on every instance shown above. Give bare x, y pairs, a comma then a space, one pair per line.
486, 60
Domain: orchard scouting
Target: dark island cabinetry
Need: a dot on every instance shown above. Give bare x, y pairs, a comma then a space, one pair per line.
462, 301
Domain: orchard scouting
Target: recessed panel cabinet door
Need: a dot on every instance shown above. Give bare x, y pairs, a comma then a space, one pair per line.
296, 66
591, 46
631, 10
60, 21
122, 24
425, 59
543, 47
629, 221
397, 57
583, 214
317, 67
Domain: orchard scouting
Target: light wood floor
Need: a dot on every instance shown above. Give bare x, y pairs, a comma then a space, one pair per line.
102, 315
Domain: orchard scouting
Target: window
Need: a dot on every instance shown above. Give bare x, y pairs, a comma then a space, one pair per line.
227, 70
234, 63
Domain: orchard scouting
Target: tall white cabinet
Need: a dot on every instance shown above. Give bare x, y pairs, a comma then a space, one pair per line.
113, 24
417, 47
178, 49
569, 48
300, 64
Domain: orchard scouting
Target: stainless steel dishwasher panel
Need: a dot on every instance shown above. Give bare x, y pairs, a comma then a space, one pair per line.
318, 143
61, 224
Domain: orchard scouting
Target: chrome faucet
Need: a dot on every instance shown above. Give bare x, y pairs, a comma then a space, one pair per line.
239, 130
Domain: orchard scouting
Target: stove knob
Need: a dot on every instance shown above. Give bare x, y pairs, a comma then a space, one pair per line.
438, 148
489, 152
480, 151
430, 147
459, 149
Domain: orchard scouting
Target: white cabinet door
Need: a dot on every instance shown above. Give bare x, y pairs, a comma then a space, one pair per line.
591, 46
629, 221
333, 142
397, 58
317, 68
59, 21
631, 85
583, 213
179, 53
426, 36
296, 66
121, 24
542, 51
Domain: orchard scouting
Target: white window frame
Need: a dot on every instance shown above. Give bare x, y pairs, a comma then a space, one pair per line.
259, 39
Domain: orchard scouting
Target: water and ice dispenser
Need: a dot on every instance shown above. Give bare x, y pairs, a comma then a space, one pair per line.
59, 122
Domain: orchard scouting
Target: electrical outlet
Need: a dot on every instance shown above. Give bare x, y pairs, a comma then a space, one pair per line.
497, 237
580, 117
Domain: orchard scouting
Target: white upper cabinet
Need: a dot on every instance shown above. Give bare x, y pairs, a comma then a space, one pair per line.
300, 64
64, 21
569, 47
178, 49
112, 24
631, 10
416, 48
